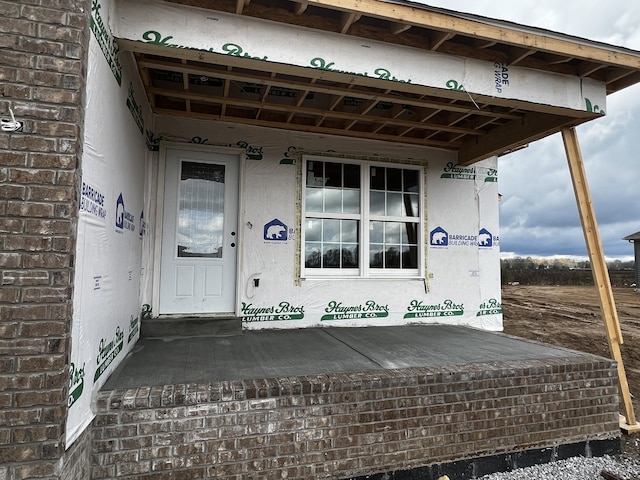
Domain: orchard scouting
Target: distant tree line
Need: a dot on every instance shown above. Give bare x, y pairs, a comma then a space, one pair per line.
562, 271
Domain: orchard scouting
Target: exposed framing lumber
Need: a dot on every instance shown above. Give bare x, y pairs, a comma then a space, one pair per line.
533, 126
516, 55
360, 81
464, 26
625, 82
300, 7
438, 40
589, 68
347, 20
599, 268
398, 28
273, 81
240, 4
310, 128
263, 105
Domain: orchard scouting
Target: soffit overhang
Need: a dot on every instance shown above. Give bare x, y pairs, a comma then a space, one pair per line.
211, 85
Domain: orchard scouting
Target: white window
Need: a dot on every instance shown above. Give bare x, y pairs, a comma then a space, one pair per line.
361, 219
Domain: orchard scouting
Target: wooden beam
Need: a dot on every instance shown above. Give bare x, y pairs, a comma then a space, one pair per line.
516, 54
617, 74
438, 39
227, 85
588, 68
598, 264
398, 28
346, 20
482, 44
240, 4
627, 81
532, 126
313, 129
300, 7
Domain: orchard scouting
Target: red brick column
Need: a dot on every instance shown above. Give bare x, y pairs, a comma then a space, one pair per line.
43, 45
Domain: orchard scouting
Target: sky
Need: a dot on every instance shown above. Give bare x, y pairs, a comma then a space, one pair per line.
538, 212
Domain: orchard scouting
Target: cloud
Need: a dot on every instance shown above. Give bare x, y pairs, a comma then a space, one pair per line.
538, 212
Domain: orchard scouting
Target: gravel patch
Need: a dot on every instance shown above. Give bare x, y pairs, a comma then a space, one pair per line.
576, 468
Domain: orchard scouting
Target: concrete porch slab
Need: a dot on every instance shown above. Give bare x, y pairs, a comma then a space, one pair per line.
232, 355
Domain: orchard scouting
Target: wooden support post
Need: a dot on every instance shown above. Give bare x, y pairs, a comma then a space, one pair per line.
599, 269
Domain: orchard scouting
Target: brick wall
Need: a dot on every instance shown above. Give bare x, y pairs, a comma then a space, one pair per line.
345, 425
43, 46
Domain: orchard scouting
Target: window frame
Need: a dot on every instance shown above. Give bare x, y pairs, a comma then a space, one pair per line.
364, 217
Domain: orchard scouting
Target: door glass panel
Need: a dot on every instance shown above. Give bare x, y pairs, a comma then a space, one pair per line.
201, 210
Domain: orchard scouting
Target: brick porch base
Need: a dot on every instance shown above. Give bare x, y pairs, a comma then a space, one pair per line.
429, 421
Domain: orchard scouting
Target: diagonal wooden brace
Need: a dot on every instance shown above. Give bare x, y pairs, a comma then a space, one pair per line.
599, 269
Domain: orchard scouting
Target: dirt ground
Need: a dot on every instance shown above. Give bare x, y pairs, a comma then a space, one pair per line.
569, 316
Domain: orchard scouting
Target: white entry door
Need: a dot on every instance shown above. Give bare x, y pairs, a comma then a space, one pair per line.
199, 233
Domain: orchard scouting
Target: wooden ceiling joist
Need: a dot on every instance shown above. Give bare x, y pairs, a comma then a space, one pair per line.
516, 55
347, 20
398, 28
341, 91
240, 4
439, 38
300, 7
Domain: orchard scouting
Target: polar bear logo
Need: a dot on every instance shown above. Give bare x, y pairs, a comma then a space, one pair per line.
274, 232
438, 238
120, 212
485, 239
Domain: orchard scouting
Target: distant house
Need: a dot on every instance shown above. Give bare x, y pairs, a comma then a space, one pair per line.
635, 239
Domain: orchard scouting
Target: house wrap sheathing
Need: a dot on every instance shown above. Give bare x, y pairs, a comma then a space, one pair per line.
403, 233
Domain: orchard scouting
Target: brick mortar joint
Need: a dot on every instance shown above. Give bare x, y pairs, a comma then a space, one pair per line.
145, 397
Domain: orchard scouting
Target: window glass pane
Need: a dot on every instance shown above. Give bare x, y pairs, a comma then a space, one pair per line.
333, 174
392, 232
376, 256
411, 205
350, 256
394, 204
330, 231
313, 199
394, 179
410, 180
351, 199
352, 176
332, 200
377, 178
331, 256
312, 258
313, 230
409, 233
315, 177
376, 232
392, 256
349, 231
409, 257
376, 203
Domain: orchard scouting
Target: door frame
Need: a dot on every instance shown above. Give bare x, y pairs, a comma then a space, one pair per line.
157, 231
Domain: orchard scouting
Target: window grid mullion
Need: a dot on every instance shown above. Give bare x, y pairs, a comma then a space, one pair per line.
364, 224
